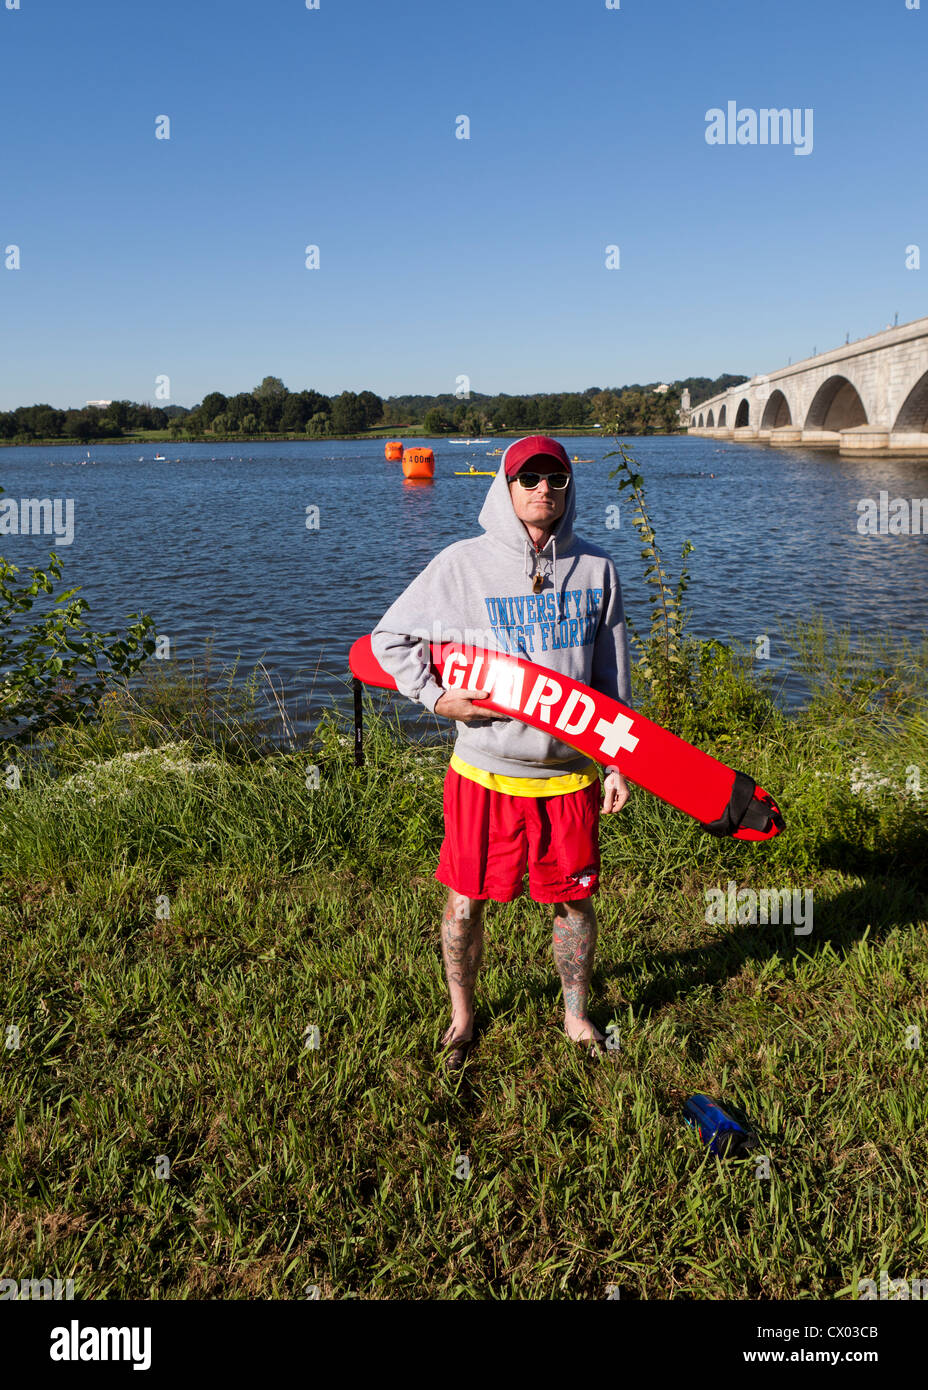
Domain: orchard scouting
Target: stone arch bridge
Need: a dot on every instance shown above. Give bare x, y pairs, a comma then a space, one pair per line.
869, 397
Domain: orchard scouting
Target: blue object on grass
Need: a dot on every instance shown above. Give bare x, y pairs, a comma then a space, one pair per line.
715, 1127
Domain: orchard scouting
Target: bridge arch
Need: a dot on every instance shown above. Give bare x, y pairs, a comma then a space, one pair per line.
743, 418
913, 417
836, 405
710, 420
700, 420
722, 416
776, 412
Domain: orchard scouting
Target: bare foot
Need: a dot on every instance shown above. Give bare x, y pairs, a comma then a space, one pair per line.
456, 1043
582, 1029
460, 1030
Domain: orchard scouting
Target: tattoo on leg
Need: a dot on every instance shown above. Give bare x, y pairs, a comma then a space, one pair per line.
574, 942
462, 941
462, 952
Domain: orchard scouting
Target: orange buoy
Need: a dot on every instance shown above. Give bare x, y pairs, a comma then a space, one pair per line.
393, 450
418, 463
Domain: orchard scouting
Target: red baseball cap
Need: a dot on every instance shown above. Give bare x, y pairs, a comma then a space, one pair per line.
523, 450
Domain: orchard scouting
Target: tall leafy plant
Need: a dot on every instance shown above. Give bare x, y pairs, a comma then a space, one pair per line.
56, 669
664, 658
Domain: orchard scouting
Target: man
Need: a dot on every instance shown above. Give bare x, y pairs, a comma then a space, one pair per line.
515, 796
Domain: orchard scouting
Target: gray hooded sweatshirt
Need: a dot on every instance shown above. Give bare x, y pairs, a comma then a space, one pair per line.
480, 592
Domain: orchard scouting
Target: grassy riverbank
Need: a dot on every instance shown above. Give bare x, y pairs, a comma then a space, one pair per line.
179, 908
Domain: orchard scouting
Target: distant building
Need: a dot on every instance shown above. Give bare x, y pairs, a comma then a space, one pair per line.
101, 404
663, 388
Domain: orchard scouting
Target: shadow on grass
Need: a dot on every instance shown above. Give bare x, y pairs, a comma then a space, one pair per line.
893, 894
884, 902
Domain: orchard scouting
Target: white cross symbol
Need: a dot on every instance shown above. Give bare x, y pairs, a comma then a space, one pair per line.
616, 735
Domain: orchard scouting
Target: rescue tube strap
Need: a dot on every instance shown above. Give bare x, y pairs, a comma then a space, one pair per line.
744, 811
358, 724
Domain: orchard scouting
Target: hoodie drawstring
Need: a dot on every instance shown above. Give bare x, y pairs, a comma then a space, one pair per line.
528, 567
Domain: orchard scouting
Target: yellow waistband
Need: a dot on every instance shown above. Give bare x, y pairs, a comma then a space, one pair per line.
527, 786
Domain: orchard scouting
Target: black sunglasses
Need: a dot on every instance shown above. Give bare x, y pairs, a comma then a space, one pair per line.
557, 481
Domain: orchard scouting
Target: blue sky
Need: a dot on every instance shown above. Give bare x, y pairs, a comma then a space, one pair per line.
440, 256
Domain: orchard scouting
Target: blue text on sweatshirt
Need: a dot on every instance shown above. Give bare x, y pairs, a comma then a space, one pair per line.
479, 592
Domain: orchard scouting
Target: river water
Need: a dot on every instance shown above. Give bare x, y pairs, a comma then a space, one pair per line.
214, 544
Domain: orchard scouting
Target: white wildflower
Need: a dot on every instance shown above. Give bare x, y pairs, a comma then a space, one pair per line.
865, 782
119, 774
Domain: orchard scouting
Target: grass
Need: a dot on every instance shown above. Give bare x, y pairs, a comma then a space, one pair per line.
176, 922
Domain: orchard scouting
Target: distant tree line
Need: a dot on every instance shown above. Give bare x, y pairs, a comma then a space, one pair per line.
273, 409
703, 388
45, 422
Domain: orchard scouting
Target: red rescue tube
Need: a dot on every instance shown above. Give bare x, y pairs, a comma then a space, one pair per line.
602, 728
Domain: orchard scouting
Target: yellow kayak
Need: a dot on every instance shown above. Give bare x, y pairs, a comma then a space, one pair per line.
472, 473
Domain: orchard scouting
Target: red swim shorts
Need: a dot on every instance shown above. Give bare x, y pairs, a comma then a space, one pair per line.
491, 836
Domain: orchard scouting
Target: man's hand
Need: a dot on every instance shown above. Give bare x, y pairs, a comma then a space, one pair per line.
617, 791
456, 704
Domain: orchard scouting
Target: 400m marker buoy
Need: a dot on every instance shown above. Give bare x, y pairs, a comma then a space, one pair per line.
725, 802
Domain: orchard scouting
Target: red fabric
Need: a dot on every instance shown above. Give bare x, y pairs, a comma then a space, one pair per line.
525, 449
491, 836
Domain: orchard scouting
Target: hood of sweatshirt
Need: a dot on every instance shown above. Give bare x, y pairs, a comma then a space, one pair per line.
498, 519
480, 591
